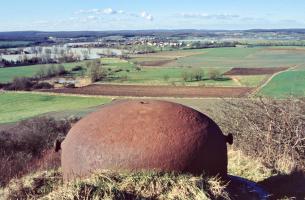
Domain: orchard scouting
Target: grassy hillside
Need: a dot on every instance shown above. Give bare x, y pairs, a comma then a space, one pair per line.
18, 106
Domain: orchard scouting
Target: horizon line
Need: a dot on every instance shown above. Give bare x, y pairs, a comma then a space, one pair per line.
181, 29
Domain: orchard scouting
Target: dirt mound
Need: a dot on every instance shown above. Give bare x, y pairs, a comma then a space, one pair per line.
145, 135
156, 91
254, 71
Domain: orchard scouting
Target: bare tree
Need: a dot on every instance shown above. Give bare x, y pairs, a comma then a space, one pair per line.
96, 72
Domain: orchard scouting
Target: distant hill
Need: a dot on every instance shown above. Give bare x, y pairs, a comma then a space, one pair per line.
39, 36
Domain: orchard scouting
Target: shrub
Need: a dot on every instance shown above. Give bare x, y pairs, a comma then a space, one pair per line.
27, 141
197, 74
118, 70
41, 73
77, 68
4, 85
186, 76
124, 78
271, 130
21, 83
60, 70
214, 74
96, 72
51, 71
194, 75
34, 135
166, 77
42, 85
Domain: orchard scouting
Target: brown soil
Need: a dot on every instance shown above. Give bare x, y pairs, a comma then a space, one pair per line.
254, 71
297, 50
156, 63
156, 91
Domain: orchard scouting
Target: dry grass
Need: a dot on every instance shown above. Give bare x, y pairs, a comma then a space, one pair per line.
110, 185
25, 147
32, 186
247, 167
272, 131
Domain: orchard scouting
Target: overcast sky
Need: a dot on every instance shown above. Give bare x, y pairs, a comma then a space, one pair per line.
99, 15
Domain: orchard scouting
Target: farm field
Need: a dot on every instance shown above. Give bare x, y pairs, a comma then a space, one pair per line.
128, 75
286, 84
254, 71
17, 106
156, 91
173, 76
7, 74
242, 67
231, 57
23, 105
166, 68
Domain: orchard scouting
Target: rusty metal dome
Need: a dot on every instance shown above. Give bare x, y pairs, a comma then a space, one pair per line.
144, 135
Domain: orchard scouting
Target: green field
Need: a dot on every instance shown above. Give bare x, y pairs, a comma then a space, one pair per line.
7, 74
286, 84
221, 59
234, 57
18, 106
245, 57
172, 75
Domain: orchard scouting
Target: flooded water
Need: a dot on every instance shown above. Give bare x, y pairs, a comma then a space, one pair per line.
58, 51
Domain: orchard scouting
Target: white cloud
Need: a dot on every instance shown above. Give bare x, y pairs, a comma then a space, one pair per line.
209, 16
92, 17
146, 16
111, 11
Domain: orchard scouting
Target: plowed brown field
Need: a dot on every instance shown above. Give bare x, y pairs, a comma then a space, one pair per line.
255, 71
156, 91
155, 63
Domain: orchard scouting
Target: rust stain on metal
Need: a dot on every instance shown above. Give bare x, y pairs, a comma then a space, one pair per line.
145, 135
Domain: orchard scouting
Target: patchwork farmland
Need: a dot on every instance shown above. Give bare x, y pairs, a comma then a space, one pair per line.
220, 67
